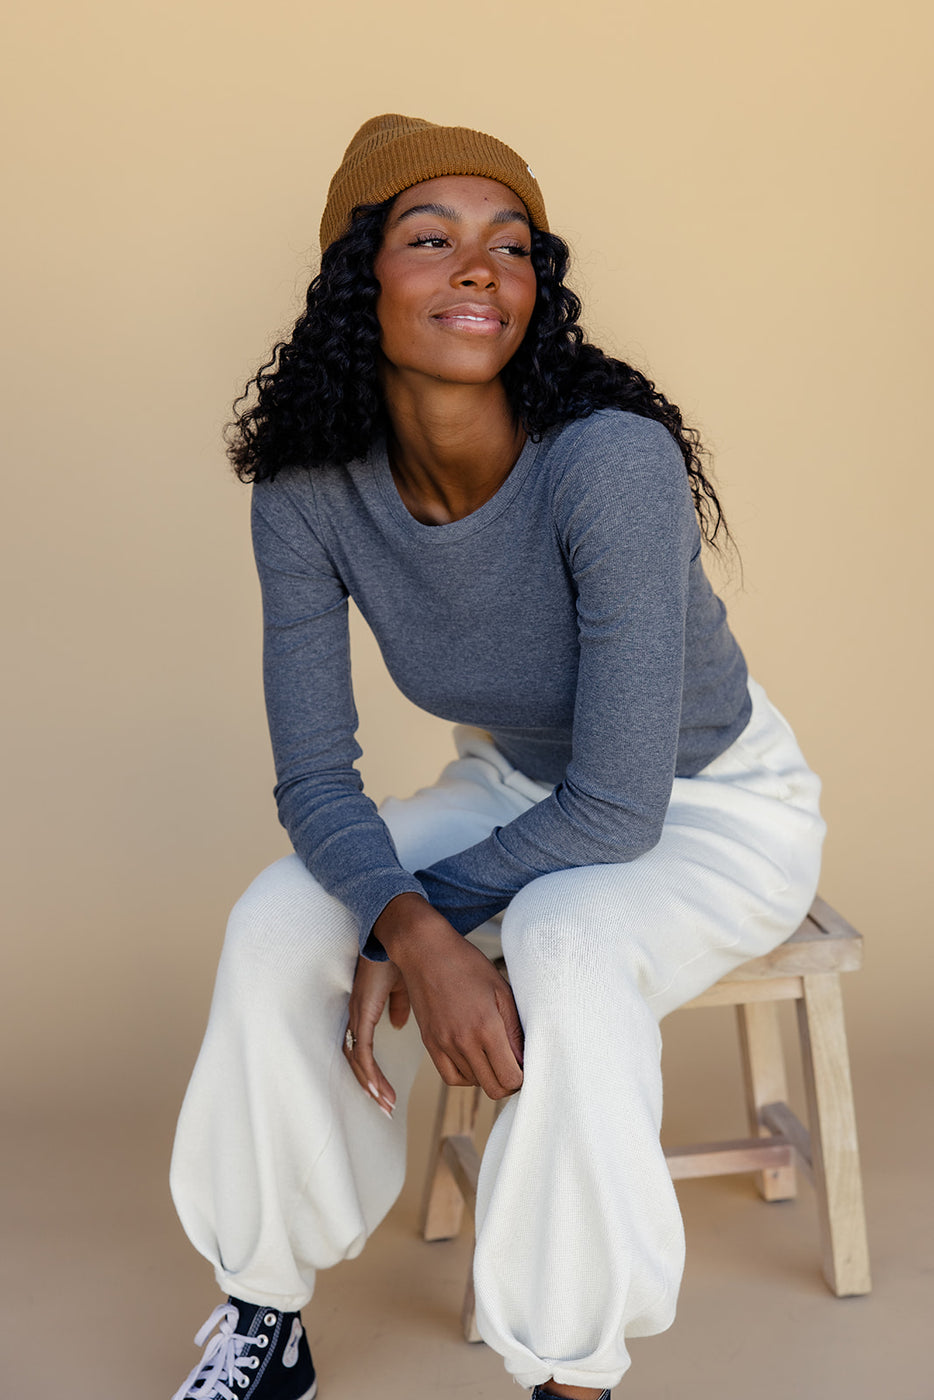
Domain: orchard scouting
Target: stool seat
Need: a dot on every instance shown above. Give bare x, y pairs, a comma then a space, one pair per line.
823, 942
805, 969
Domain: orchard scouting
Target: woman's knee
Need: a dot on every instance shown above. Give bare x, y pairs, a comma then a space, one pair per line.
283, 913
576, 926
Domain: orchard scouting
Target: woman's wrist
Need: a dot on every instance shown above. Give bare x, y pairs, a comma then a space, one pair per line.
402, 923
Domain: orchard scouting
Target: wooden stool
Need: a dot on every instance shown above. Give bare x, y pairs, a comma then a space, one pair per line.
804, 969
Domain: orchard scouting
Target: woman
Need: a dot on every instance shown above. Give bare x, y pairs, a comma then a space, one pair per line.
519, 519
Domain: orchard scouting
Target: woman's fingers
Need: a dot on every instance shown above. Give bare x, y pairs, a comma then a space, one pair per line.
481, 1055
493, 1063
450, 1072
369, 1074
373, 984
496, 1072
502, 1068
496, 1045
511, 1022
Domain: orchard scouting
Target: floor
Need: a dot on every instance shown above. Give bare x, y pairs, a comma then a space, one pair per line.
103, 1294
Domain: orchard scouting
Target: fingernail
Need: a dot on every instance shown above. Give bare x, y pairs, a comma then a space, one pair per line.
385, 1110
373, 1090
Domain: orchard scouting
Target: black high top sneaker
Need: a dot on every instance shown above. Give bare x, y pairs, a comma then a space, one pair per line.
540, 1393
256, 1353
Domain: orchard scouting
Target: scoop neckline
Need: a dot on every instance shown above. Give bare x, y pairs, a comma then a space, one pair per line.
452, 530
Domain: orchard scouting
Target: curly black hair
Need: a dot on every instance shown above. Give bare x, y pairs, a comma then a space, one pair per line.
318, 398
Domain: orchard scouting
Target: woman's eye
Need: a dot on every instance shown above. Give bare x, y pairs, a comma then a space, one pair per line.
439, 240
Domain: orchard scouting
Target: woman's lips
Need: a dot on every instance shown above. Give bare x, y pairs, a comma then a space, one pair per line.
471, 319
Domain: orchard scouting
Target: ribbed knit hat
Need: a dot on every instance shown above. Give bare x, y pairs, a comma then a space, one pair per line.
390, 153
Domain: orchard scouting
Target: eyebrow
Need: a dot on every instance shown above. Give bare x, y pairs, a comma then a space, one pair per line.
444, 211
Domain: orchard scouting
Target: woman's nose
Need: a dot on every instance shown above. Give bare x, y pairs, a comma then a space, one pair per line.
476, 270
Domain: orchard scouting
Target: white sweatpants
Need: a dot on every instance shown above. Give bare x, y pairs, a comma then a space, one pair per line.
283, 1165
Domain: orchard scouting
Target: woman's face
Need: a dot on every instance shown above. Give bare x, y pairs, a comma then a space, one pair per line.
457, 286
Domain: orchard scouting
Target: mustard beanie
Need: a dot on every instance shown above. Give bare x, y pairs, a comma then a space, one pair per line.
390, 153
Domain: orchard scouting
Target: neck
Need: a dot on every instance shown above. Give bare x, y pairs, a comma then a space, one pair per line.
451, 446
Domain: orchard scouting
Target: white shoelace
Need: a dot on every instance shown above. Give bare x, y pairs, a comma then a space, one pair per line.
223, 1363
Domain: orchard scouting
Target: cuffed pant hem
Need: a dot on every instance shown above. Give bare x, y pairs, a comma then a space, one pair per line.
566, 1375
285, 1302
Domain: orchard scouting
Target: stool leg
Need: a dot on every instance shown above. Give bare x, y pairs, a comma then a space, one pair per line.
442, 1204
834, 1149
469, 1311
764, 1081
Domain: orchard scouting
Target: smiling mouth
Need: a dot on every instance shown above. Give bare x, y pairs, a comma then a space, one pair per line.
472, 322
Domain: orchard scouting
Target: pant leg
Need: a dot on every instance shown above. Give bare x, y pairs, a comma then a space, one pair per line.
282, 1164
578, 1248
579, 1237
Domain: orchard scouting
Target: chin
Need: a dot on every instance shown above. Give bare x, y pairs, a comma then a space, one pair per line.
468, 371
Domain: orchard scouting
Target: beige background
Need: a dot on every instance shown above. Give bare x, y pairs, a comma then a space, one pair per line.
745, 190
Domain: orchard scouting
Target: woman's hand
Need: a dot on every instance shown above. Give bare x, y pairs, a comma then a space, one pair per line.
465, 1010
373, 984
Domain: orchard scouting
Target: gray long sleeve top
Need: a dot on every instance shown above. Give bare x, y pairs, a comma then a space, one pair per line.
569, 616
